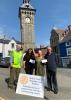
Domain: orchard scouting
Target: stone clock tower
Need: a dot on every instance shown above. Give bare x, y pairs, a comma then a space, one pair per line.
26, 15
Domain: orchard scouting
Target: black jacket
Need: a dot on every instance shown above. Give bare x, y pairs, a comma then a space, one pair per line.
51, 64
27, 58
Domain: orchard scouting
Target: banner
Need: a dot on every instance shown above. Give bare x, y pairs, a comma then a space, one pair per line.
30, 85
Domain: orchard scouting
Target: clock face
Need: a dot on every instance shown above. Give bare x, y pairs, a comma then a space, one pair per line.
27, 20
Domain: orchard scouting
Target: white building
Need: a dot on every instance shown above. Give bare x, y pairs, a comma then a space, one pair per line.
7, 45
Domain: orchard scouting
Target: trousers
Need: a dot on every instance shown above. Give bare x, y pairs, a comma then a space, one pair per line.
14, 74
52, 80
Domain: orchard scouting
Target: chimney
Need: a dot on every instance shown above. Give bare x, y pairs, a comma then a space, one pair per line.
69, 27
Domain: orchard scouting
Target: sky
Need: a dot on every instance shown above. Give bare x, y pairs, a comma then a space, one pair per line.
49, 14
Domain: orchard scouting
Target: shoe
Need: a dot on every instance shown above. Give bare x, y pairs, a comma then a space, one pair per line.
55, 92
7, 80
48, 89
11, 87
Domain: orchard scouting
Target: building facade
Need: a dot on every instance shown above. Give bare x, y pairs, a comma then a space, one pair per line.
26, 15
7, 45
56, 36
65, 50
59, 40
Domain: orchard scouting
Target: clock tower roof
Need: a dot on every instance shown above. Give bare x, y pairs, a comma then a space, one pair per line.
27, 5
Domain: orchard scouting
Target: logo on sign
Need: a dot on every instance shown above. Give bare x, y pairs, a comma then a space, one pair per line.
24, 80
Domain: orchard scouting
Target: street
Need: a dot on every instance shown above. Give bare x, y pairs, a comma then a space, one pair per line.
64, 83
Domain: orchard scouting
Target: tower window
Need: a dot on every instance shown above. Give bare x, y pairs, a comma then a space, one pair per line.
25, 12
30, 13
22, 11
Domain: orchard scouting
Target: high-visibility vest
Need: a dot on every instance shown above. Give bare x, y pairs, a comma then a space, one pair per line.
17, 59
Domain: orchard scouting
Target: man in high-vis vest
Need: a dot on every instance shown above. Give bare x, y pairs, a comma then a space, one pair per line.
16, 65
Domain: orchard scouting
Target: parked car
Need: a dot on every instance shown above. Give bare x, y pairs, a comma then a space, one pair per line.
5, 62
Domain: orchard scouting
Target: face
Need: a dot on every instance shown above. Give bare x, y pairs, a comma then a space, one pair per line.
49, 50
30, 50
39, 53
18, 47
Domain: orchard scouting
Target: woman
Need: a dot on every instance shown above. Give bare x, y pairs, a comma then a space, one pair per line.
39, 65
29, 61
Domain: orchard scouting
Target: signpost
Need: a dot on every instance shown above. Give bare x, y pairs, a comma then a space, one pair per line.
30, 85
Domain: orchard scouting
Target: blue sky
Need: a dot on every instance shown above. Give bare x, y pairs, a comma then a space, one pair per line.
49, 13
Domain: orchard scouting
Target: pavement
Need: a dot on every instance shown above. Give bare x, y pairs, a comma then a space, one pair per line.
64, 84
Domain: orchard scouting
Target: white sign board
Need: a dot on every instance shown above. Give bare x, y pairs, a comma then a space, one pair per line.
44, 61
32, 61
30, 85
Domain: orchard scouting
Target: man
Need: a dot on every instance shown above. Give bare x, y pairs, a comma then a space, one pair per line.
15, 66
51, 70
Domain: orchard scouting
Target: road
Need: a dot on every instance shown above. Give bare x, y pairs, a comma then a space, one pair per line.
64, 83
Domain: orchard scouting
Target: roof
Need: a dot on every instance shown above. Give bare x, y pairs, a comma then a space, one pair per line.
18, 42
59, 31
6, 41
66, 38
27, 5
39, 48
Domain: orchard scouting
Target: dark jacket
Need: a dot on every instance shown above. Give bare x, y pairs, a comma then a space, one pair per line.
51, 65
27, 58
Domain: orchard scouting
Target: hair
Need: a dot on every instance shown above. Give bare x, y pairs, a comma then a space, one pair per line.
31, 51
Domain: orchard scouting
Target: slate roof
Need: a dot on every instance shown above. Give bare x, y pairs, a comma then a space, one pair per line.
66, 38
59, 31
6, 41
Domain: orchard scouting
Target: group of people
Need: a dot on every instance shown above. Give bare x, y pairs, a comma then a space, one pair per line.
32, 62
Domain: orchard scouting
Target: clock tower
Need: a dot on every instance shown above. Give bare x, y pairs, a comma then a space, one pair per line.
26, 15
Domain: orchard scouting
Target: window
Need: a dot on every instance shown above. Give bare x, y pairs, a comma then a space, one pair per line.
12, 45
67, 43
69, 58
68, 51
70, 42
